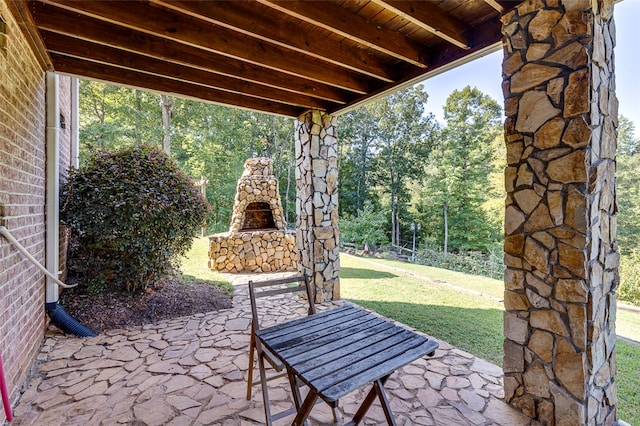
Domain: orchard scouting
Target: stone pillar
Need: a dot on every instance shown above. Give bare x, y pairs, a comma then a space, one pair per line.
317, 202
560, 250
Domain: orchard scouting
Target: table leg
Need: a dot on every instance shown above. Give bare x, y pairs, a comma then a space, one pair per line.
294, 388
376, 390
379, 388
337, 417
306, 407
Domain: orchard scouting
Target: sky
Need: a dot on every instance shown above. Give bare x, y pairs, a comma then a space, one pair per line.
486, 72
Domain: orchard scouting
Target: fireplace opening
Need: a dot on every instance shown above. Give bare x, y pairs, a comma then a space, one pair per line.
258, 216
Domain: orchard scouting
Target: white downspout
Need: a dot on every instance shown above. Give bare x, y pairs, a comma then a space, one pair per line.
75, 123
52, 185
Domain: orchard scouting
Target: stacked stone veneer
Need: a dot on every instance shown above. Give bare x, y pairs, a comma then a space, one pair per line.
560, 249
267, 250
317, 202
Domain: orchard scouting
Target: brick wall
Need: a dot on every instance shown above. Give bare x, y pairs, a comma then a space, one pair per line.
22, 204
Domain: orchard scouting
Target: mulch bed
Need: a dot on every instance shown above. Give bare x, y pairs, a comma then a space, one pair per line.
116, 309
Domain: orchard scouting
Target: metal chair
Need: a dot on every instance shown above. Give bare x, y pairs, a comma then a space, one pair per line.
259, 290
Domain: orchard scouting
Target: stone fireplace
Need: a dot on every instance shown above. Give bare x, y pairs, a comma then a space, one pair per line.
257, 240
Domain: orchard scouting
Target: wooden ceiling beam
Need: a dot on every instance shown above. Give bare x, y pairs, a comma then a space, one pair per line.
68, 46
131, 78
486, 38
184, 29
244, 18
496, 5
334, 18
106, 34
430, 17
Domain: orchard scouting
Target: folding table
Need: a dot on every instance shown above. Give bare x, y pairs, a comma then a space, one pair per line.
338, 351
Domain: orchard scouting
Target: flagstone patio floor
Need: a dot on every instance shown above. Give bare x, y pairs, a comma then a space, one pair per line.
192, 371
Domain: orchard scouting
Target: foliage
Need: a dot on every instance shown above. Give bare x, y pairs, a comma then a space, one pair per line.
629, 290
365, 228
457, 174
406, 137
113, 117
382, 147
628, 183
476, 263
358, 136
628, 143
628, 218
132, 212
207, 140
493, 205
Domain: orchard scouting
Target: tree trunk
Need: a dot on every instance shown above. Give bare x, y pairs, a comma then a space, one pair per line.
394, 240
446, 227
138, 114
290, 166
166, 104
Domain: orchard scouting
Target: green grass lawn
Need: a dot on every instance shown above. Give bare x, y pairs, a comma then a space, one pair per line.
194, 266
426, 307
627, 322
411, 294
448, 305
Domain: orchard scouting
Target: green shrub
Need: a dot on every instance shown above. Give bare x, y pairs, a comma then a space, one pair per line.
132, 213
476, 263
368, 227
629, 290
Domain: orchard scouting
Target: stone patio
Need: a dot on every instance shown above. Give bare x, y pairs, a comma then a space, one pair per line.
192, 371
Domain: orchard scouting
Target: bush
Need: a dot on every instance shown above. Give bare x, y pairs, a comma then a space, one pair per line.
132, 213
476, 263
367, 228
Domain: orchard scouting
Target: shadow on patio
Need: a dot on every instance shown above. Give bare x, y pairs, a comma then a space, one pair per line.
192, 371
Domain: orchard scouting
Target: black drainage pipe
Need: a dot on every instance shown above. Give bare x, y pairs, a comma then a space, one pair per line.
66, 322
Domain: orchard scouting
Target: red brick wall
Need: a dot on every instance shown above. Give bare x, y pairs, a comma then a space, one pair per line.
22, 204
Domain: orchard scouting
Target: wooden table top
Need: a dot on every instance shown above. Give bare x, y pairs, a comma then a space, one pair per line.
340, 350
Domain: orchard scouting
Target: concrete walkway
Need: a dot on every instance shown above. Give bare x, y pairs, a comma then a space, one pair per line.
192, 371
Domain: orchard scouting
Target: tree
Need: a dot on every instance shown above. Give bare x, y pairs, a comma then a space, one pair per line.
628, 143
273, 137
365, 228
113, 116
213, 141
357, 140
628, 183
206, 140
403, 140
628, 218
166, 106
458, 171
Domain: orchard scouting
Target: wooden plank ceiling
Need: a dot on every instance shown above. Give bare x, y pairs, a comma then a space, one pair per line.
277, 56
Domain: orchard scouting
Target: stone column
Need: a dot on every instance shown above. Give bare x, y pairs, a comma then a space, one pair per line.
317, 202
560, 250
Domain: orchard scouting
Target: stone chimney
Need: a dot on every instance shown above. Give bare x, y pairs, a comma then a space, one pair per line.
258, 240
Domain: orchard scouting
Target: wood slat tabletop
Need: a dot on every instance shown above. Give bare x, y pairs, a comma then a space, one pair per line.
338, 351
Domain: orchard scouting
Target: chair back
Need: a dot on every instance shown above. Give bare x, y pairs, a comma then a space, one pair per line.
295, 284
